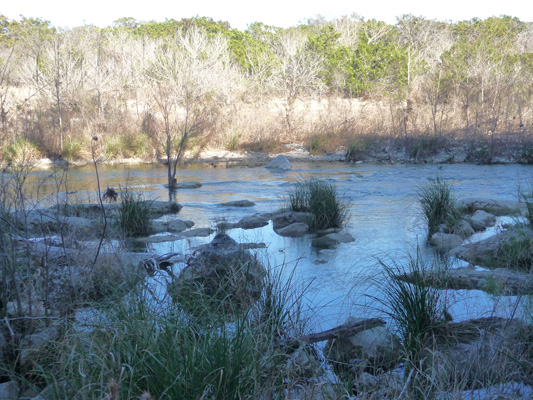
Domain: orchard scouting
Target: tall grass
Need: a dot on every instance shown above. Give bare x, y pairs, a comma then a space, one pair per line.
321, 199
133, 214
526, 196
438, 205
137, 348
417, 312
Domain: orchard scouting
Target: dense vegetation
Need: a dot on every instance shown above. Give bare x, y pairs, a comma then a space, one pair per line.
157, 88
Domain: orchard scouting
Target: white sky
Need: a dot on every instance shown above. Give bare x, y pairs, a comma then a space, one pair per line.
240, 13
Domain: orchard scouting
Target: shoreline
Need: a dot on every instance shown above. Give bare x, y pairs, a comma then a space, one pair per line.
456, 154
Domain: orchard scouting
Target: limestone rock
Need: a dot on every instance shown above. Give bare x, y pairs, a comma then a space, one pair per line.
223, 274
280, 162
33, 344
294, 230
239, 203
370, 350
445, 241
464, 229
287, 218
188, 185
9, 390
495, 207
252, 222
159, 208
332, 239
481, 220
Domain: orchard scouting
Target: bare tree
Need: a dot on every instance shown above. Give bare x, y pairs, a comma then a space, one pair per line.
295, 73
189, 75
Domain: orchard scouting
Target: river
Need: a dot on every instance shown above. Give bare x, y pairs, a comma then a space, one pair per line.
384, 219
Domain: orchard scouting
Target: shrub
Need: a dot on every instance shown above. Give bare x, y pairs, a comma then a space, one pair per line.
72, 150
133, 214
21, 151
321, 199
438, 205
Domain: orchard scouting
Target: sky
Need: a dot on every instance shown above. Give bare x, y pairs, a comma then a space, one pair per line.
240, 13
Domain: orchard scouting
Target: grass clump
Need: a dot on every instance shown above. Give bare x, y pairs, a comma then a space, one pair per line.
133, 214
417, 312
438, 205
320, 198
21, 151
526, 196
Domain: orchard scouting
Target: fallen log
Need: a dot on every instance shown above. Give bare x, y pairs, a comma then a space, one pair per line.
344, 330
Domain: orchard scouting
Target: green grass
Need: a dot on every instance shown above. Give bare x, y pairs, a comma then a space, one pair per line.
438, 205
526, 197
133, 214
136, 348
417, 312
21, 151
322, 200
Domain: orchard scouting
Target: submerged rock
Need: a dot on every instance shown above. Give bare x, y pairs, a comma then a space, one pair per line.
188, 185
332, 239
279, 162
239, 203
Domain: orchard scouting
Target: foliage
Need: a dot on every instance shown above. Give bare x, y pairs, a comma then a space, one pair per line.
21, 150
321, 199
438, 205
526, 196
517, 252
136, 346
133, 214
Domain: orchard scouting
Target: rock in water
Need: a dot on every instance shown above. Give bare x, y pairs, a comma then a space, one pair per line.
221, 277
279, 162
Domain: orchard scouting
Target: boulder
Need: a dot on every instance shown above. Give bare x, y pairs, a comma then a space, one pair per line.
509, 249
332, 239
279, 162
370, 350
464, 229
500, 281
481, 220
239, 203
188, 185
32, 345
172, 226
481, 352
495, 207
294, 230
159, 208
9, 390
444, 242
252, 222
287, 218
222, 276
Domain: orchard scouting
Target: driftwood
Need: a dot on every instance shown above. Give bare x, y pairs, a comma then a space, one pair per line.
345, 330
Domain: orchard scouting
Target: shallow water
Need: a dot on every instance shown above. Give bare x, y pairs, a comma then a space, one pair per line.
384, 219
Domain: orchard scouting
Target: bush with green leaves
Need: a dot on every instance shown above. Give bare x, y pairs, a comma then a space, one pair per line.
133, 214
321, 199
438, 205
526, 196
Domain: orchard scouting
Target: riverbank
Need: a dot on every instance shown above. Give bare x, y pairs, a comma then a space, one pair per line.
369, 150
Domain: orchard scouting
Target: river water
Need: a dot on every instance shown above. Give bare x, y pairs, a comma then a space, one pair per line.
385, 221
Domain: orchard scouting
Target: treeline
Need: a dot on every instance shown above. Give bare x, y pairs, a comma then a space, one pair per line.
142, 87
